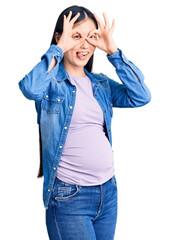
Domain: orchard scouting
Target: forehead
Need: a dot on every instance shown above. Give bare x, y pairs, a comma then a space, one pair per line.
86, 25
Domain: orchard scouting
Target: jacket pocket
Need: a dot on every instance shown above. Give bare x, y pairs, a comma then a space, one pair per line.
52, 102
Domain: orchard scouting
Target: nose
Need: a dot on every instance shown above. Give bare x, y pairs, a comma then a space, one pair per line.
84, 43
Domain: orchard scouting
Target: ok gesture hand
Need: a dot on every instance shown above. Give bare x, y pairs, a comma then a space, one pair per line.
66, 41
105, 40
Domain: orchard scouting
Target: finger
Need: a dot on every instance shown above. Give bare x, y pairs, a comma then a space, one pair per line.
113, 25
95, 31
69, 16
64, 21
91, 41
75, 18
106, 21
94, 36
101, 25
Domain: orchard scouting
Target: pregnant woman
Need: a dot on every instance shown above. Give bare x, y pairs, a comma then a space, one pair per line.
74, 111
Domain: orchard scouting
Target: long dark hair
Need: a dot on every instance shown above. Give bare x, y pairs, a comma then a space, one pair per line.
84, 12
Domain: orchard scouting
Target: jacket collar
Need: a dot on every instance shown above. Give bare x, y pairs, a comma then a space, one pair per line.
63, 75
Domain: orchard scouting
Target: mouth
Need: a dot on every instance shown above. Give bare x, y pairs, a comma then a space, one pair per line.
82, 55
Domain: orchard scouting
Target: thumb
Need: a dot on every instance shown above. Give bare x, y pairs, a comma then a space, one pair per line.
91, 41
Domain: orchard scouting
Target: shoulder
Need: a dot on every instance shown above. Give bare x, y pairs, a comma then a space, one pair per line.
99, 76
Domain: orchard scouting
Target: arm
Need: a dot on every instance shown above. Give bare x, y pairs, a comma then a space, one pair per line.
37, 80
133, 92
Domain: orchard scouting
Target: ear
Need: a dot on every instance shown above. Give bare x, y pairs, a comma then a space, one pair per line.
57, 37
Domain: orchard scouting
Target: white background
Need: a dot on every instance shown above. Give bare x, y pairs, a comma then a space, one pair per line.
140, 136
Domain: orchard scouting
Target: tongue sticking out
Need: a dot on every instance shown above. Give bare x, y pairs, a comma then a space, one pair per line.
81, 56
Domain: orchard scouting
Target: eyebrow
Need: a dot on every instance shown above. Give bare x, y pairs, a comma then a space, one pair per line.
78, 31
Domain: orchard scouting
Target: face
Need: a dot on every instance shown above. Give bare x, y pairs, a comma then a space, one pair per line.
75, 57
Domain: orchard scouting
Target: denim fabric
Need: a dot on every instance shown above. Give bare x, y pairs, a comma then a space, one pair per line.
82, 212
55, 95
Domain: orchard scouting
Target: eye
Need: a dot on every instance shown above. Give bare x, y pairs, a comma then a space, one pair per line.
76, 36
93, 36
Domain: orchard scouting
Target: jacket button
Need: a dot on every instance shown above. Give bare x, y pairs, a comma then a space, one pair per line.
71, 107
104, 110
58, 53
60, 146
46, 96
95, 94
58, 100
54, 168
65, 127
73, 91
49, 190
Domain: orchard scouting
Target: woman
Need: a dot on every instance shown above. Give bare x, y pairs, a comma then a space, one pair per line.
74, 111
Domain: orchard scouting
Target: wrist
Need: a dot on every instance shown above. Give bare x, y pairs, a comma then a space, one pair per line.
112, 51
61, 46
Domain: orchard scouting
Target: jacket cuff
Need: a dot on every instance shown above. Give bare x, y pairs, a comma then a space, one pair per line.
53, 51
118, 59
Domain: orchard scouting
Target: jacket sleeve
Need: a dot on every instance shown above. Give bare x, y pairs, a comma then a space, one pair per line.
37, 80
133, 92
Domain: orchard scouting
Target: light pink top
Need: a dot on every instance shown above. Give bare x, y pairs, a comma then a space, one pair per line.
87, 157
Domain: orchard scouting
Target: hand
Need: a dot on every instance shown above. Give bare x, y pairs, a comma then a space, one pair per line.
105, 41
66, 41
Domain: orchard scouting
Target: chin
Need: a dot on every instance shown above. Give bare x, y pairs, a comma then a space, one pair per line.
81, 62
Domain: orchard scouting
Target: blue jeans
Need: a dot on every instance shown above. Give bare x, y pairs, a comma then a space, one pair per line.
82, 212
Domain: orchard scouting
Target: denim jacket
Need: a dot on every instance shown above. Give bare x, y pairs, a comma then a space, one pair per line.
55, 95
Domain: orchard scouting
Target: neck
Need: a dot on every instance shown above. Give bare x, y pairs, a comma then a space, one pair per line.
75, 70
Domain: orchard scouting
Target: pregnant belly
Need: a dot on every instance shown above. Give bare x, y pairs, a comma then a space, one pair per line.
87, 150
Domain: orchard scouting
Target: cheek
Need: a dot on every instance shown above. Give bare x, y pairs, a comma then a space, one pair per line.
69, 55
92, 48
